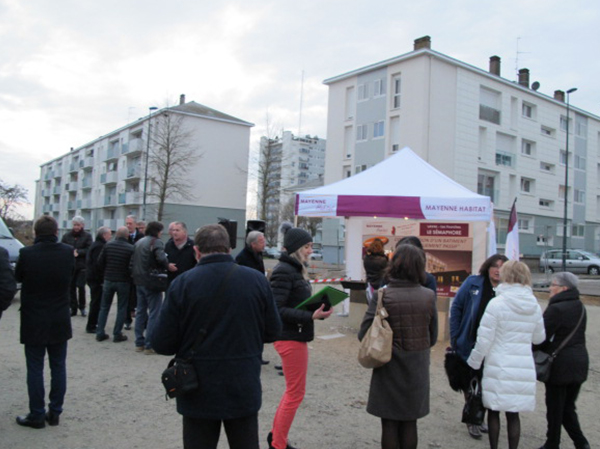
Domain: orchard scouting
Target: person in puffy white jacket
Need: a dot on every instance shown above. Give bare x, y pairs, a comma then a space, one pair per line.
511, 323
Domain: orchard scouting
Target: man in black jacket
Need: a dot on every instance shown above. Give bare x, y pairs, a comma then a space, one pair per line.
114, 263
80, 240
135, 234
251, 255
45, 270
180, 250
8, 286
94, 277
236, 306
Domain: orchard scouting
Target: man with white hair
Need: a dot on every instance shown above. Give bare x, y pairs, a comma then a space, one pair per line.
80, 240
251, 255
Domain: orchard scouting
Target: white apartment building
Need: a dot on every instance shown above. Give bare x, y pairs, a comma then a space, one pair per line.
495, 136
296, 161
103, 180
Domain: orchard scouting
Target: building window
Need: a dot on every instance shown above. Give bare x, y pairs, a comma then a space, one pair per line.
561, 192
578, 230
486, 185
363, 92
396, 92
505, 159
545, 240
350, 103
563, 123
361, 133
359, 168
378, 129
527, 147
527, 185
489, 105
547, 167
562, 158
526, 224
581, 128
348, 141
579, 196
546, 131
546, 203
579, 162
378, 88
528, 110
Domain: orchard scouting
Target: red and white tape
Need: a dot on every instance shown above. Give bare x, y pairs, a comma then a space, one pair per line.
326, 281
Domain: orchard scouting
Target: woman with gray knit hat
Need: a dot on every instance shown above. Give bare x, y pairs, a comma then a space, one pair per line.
290, 286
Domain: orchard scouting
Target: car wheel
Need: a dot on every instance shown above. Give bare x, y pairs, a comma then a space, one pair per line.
594, 271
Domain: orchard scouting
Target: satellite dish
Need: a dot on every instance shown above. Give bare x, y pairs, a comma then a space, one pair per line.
535, 86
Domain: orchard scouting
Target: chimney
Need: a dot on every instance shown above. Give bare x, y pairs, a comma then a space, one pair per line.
422, 42
524, 77
559, 95
495, 65
182, 99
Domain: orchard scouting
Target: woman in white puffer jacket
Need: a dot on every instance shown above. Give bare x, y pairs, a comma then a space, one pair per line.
511, 323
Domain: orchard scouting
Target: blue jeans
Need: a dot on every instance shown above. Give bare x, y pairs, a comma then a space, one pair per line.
146, 314
57, 357
108, 291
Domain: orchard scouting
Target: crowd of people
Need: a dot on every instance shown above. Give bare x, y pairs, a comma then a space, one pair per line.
218, 313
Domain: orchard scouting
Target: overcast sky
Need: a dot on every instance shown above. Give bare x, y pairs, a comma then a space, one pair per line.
73, 70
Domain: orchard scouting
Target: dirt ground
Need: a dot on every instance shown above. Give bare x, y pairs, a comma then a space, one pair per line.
115, 398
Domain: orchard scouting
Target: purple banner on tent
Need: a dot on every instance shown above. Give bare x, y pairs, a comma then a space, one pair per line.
379, 206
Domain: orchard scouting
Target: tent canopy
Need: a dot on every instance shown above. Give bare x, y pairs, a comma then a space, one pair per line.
401, 186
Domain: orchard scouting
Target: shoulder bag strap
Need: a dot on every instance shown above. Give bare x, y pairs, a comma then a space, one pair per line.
566, 340
380, 309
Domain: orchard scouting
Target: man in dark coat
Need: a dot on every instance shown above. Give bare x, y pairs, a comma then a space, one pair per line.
180, 250
94, 277
8, 286
114, 264
236, 307
80, 240
45, 270
135, 234
251, 255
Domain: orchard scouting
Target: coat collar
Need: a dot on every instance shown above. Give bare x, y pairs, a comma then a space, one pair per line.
215, 258
568, 295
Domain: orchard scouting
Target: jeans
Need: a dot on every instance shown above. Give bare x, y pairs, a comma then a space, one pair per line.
146, 314
95, 301
57, 357
108, 291
561, 411
242, 433
294, 360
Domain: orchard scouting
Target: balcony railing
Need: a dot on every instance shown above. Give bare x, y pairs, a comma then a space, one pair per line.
110, 200
85, 203
112, 153
108, 178
86, 183
134, 172
129, 198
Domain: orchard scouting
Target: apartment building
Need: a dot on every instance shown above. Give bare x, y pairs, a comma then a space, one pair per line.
495, 136
105, 180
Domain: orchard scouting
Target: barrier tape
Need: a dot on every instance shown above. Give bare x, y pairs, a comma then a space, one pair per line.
326, 281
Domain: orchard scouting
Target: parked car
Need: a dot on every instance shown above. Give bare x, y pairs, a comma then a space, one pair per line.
271, 253
578, 261
316, 255
10, 243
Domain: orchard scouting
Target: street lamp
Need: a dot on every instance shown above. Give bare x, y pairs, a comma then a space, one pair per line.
150, 110
564, 242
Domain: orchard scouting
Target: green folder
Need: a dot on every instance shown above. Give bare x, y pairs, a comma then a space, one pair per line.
327, 295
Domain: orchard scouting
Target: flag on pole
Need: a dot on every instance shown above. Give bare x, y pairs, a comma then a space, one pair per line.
512, 237
491, 243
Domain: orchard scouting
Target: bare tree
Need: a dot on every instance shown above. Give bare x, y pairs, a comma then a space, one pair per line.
310, 224
10, 198
171, 158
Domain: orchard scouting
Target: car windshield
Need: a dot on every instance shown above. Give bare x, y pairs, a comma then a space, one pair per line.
587, 254
4, 232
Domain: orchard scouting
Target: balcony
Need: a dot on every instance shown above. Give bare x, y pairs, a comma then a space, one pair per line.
48, 192
88, 162
57, 173
108, 178
72, 186
49, 175
130, 198
110, 200
74, 167
112, 153
56, 190
86, 183
85, 203
134, 147
110, 222
134, 172
72, 205
47, 208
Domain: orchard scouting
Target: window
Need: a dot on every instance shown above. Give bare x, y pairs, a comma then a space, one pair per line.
360, 168
378, 88
546, 203
350, 103
562, 157
504, 159
489, 105
547, 167
545, 240
561, 192
580, 128
363, 92
396, 95
361, 133
348, 141
579, 196
527, 147
547, 131
527, 185
563, 123
394, 133
378, 129
560, 233
486, 185
579, 162
505, 149
528, 110
526, 224
578, 230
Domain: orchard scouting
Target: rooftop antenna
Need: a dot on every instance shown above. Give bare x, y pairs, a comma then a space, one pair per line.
301, 99
517, 59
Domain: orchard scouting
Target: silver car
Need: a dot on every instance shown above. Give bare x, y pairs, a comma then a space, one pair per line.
578, 261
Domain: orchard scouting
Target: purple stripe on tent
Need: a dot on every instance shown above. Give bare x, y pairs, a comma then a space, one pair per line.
379, 206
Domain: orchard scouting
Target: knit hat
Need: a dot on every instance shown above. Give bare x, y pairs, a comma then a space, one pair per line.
295, 238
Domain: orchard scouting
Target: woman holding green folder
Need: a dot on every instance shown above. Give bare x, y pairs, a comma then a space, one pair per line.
290, 285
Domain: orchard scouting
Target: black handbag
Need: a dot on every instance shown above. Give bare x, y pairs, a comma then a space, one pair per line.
474, 411
180, 377
543, 360
158, 280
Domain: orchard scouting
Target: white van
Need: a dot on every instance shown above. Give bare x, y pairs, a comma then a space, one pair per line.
10, 243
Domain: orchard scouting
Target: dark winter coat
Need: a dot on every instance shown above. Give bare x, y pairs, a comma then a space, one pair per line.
463, 313
45, 270
115, 259
184, 258
375, 265
81, 243
400, 389
250, 258
148, 253
93, 276
137, 235
290, 289
8, 286
560, 318
228, 362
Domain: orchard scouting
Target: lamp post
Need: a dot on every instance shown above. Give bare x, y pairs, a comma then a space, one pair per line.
150, 110
564, 242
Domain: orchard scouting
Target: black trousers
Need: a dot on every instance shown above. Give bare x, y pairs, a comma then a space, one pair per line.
95, 300
77, 287
242, 433
561, 411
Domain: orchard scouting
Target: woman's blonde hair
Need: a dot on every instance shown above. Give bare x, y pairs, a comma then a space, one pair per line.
514, 272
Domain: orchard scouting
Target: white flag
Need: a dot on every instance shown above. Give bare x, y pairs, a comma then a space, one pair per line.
512, 237
491, 244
